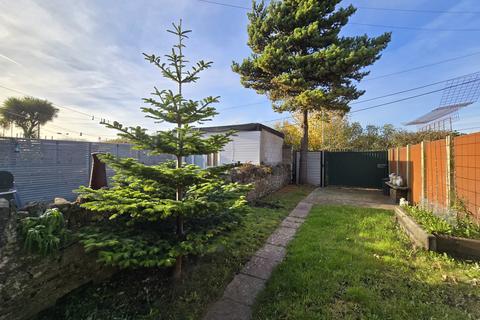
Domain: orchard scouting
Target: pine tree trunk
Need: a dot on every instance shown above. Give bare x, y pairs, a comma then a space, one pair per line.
177, 272
303, 172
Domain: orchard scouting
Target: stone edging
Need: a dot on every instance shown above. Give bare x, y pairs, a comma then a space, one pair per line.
456, 246
240, 294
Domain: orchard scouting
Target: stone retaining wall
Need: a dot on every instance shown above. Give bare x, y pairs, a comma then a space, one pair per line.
30, 283
264, 178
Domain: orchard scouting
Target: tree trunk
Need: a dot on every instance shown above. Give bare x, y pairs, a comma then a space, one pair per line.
303, 173
177, 272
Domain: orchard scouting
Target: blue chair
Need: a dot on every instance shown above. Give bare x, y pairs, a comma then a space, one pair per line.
7, 186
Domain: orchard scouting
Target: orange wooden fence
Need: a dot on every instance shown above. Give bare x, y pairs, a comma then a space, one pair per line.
467, 171
438, 172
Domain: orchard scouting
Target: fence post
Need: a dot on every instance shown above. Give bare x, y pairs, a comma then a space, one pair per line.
398, 160
89, 161
389, 157
407, 178
422, 157
448, 178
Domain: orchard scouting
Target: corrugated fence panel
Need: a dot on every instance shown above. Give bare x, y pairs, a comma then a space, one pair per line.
45, 169
314, 166
415, 173
436, 172
467, 171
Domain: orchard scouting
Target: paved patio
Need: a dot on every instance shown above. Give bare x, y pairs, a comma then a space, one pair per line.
240, 294
370, 198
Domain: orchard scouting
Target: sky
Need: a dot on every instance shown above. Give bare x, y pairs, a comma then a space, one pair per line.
86, 58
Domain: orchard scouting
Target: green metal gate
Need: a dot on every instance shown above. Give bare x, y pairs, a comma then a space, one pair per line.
356, 169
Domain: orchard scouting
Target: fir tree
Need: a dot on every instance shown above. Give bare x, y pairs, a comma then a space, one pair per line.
159, 214
301, 62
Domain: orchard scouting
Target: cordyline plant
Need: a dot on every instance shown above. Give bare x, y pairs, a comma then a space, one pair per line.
159, 214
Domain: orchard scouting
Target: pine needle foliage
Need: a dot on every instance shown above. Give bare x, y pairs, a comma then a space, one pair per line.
156, 215
301, 61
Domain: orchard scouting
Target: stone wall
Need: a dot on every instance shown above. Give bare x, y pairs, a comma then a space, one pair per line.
265, 179
30, 283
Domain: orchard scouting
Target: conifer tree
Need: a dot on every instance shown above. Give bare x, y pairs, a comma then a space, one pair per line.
300, 61
148, 203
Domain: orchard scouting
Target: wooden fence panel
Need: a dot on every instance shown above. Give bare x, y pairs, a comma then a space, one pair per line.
466, 153
415, 173
436, 172
392, 160
402, 163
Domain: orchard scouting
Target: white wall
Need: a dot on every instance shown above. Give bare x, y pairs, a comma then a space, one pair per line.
244, 147
271, 148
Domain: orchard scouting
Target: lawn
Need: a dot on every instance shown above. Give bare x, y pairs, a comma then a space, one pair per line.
150, 294
353, 263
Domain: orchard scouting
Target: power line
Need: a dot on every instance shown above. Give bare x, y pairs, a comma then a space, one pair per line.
391, 102
464, 129
412, 28
407, 90
360, 24
56, 105
225, 4
361, 7
54, 126
412, 97
423, 66
418, 10
243, 105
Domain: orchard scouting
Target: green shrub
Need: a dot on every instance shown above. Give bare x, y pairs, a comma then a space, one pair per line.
44, 234
463, 226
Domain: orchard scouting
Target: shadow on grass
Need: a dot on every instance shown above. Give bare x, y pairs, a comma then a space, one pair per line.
353, 263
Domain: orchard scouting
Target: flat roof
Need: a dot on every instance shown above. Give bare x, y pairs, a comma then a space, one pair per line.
243, 127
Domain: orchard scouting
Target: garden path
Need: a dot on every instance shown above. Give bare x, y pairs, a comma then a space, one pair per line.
240, 294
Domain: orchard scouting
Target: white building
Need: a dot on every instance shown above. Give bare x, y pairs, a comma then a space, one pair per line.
253, 142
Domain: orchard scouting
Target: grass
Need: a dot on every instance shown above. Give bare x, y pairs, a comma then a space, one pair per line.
150, 294
353, 263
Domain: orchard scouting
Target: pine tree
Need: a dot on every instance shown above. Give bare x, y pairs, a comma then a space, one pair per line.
300, 61
148, 203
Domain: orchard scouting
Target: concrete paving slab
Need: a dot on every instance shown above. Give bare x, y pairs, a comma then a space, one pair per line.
299, 213
259, 267
281, 236
244, 289
303, 205
291, 224
228, 309
272, 252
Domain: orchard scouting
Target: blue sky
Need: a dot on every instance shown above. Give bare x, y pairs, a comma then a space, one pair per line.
86, 55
